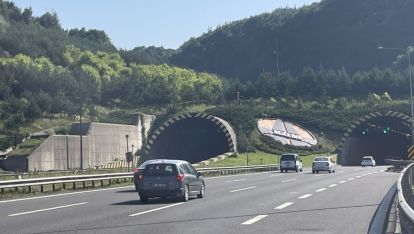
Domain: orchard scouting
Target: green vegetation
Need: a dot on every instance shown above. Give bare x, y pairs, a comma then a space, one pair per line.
331, 34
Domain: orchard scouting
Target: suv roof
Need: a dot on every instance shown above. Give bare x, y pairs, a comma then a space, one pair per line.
167, 161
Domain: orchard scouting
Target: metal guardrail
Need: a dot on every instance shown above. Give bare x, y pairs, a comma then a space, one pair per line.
406, 199
64, 180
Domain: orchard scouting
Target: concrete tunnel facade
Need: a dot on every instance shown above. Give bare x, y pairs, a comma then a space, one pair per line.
192, 137
381, 135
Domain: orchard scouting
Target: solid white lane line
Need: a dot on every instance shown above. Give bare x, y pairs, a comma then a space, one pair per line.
242, 189
284, 181
47, 209
284, 205
351, 179
320, 190
65, 194
160, 208
255, 219
332, 185
305, 196
235, 180
341, 182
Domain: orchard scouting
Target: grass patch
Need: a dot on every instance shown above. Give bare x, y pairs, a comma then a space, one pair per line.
27, 147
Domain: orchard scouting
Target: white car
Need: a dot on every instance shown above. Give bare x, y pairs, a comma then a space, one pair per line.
368, 161
325, 163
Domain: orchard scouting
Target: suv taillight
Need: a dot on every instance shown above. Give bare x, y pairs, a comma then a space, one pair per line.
135, 170
180, 177
313, 164
141, 177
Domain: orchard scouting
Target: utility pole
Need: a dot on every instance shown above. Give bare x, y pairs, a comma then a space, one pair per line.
277, 59
80, 136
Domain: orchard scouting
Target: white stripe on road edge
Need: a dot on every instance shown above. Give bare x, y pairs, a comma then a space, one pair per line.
305, 196
228, 181
332, 185
255, 219
320, 190
160, 208
65, 194
47, 209
284, 205
288, 180
237, 190
341, 182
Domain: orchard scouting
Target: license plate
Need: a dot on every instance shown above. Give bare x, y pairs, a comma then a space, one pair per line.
159, 185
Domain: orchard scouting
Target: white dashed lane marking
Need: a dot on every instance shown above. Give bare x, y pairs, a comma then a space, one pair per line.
305, 196
320, 190
284, 205
332, 185
284, 181
242, 189
48, 209
253, 220
160, 208
229, 181
341, 182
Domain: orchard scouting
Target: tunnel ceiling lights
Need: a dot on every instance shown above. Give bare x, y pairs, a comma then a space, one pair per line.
385, 130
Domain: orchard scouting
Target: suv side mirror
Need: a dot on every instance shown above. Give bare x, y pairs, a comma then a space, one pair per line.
199, 174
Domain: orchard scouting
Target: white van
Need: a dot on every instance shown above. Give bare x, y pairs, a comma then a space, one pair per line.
290, 162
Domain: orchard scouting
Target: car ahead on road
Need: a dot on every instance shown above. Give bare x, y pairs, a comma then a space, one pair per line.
323, 164
368, 161
169, 178
290, 162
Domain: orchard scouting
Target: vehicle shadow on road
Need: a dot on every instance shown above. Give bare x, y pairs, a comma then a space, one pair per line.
150, 202
127, 191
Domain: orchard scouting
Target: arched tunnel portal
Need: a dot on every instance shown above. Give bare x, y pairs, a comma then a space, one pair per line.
192, 137
383, 136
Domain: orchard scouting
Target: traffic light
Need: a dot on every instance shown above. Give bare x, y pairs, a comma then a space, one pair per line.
386, 130
365, 131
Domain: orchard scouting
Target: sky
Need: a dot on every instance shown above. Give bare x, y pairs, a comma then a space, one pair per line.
167, 23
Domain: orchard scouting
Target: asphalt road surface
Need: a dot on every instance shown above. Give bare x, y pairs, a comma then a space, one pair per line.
270, 202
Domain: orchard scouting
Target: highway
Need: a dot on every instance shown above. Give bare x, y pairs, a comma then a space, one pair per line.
270, 202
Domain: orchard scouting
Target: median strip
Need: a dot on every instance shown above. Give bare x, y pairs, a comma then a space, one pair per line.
284, 205
255, 219
242, 189
47, 209
156, 209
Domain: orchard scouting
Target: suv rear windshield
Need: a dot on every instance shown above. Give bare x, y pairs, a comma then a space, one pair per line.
288, 157
160, 170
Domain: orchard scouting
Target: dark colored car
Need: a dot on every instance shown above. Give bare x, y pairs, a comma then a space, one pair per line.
169, 178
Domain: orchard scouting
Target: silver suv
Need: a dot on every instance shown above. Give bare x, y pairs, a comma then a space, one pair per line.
290, 162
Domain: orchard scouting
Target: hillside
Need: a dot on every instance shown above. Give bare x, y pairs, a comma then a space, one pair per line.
332, 34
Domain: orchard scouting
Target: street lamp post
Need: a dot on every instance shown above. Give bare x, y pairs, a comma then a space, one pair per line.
407, 51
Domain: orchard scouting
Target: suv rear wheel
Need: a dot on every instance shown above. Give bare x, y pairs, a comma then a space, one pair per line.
202, 191
143, 199
184, 198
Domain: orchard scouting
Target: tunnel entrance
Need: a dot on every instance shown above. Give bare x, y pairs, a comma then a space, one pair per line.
381, 136
191, 137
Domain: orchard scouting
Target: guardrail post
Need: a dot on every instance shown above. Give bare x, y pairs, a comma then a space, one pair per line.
74, 186
84, 184
102, 183
41, 188
30, 189
53, 187
64, 185
110, 182
93, 184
